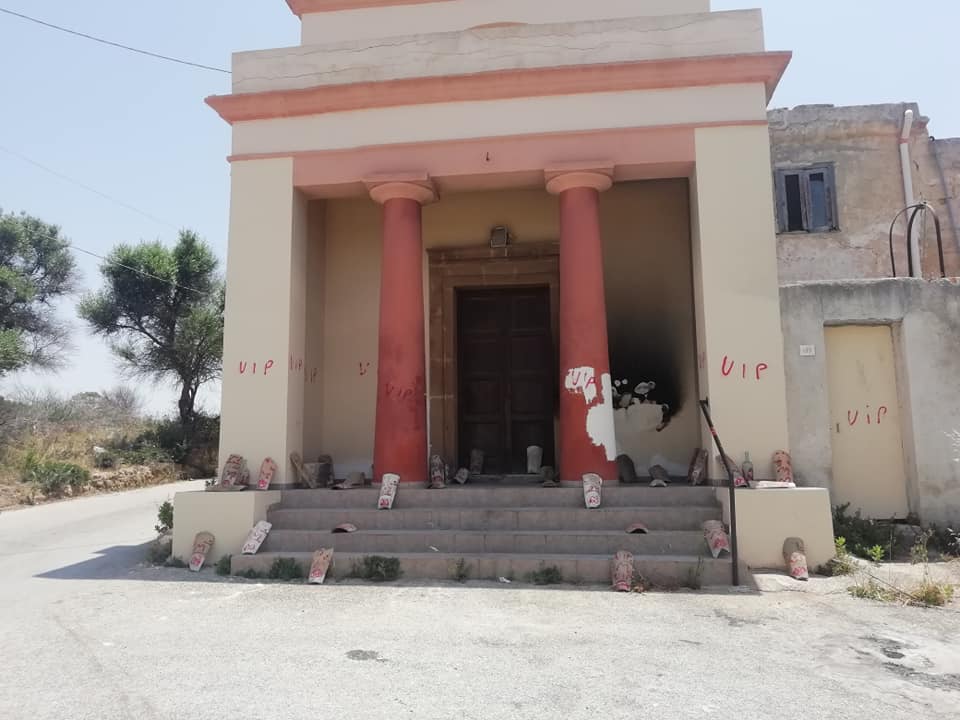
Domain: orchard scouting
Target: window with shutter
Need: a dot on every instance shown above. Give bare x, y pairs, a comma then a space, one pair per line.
806, 199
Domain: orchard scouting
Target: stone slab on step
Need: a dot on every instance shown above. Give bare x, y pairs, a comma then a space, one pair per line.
507, 497
663, 570
507, 519
479, 541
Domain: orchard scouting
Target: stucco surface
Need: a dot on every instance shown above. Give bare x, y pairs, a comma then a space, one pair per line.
500, 118
925, 317
464, 14
863, 144
499, 48
765, 518
228, 516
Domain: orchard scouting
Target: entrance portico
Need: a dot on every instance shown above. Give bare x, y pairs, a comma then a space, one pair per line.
367, 368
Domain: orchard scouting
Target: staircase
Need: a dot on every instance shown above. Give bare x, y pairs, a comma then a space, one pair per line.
500, 532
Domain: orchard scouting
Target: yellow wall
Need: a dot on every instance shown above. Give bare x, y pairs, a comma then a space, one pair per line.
646, 235
264, 318
738, 301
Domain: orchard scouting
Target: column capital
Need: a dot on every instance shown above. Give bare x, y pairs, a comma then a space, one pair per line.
599, 177
409, 187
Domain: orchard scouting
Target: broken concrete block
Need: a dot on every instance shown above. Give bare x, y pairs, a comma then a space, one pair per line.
438, 473
202, 543
255, 538
626, 470
353, 480
795, 556
592, 487
784, 466
697, 473
462, 476
549, 476
621, 570
534, 459
637, 529
325, 476
345, 528
320, 565
716, 537
301, 471
268, 469
388, 491
476, 461
234, 472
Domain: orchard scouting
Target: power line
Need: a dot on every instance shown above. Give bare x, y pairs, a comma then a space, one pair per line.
113, 44
126, 267
86, 187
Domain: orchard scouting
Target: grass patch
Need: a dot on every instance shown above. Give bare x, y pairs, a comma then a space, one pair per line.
862, 535
545, 575
871, 590
285, 568
461, 571
932, 593
377, 569
223, 565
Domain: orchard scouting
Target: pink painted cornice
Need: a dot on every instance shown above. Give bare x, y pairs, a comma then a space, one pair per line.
766, 68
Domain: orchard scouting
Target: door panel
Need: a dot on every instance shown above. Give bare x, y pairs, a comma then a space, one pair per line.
868, 467
506, 377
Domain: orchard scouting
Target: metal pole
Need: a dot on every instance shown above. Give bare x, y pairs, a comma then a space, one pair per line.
734, 554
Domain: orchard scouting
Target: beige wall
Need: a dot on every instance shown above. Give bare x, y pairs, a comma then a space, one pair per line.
765, 518
262, 404
646, 235
463, 14
649, 292
498, 49
228, 516
314, 354
501, 118
738, 298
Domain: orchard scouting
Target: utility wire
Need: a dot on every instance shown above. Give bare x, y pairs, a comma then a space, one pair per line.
126, 267
86, 187
113, 44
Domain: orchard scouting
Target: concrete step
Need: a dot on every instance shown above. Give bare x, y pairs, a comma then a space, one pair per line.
480, 541
467, 496
509, 519
662, 570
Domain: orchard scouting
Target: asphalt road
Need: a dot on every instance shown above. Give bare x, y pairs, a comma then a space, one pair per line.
86, 632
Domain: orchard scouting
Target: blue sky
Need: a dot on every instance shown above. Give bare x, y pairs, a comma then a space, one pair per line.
137, 129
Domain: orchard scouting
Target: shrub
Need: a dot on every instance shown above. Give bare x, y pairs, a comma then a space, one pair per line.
175, 562
158, 553
461, 571
223, 565
164, 518
877, 554
871, 590
377, 569
863, 534
285, 568
932, 593
51, 477
104, 460
945, 540
546, 575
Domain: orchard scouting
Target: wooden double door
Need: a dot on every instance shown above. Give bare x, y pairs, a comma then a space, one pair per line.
507, 379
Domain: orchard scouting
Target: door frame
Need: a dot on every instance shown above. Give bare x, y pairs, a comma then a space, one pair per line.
453, 269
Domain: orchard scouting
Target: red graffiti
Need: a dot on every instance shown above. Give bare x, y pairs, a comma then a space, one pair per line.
853, 416
728, 364
364, 368
243, 367
266, 366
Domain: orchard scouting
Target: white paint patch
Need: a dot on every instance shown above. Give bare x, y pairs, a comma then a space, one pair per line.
600, 425
582, 380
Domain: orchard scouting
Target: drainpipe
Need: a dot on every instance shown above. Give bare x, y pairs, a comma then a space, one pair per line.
946, 193
909, 201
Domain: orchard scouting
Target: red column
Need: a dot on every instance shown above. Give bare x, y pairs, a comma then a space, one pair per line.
400, 439
587, 439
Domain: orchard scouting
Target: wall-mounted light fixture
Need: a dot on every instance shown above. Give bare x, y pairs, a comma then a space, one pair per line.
500, 237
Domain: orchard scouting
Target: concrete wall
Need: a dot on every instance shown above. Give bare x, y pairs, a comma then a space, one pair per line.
229, 516
863, 143
647, 265
926, 320
420, 54
765, 518
464, 14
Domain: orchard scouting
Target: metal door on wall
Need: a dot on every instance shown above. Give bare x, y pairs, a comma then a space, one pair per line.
507, 376
868, 466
